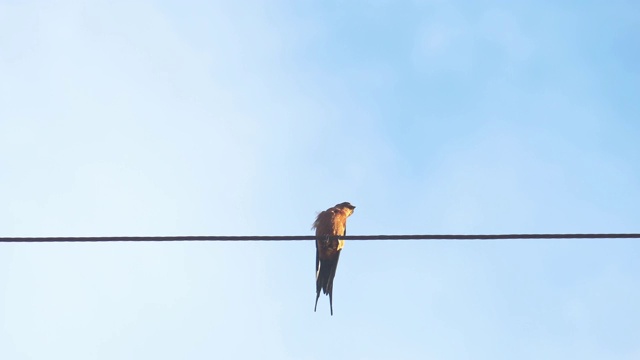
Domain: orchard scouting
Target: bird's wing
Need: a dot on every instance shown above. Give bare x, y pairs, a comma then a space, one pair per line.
317, 259
332, 272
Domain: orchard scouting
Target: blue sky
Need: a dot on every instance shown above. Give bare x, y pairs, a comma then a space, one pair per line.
222, 118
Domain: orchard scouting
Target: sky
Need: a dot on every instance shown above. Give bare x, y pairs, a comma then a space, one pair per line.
248, 118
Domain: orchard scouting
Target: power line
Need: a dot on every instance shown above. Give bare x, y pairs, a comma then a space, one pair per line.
311, 237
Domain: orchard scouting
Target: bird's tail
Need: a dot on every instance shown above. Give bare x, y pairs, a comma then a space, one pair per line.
324, 280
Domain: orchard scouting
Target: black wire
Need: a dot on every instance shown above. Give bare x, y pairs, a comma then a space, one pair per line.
311, 237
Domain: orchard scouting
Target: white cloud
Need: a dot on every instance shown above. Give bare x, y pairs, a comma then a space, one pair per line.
113, 123
444, 42
452, 41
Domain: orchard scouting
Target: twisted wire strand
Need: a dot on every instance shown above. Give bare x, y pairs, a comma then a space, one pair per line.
311, 237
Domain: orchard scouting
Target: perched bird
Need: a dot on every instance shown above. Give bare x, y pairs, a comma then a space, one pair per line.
331, 222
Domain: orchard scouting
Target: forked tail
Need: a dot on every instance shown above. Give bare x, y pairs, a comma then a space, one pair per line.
324, 279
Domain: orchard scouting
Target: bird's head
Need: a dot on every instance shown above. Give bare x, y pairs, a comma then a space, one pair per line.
346, 207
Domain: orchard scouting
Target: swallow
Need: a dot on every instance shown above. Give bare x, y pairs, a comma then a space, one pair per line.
331, 222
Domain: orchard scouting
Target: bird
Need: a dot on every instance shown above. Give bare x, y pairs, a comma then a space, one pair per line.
329, 224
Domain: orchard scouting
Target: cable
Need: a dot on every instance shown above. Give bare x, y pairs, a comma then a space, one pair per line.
311, 237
